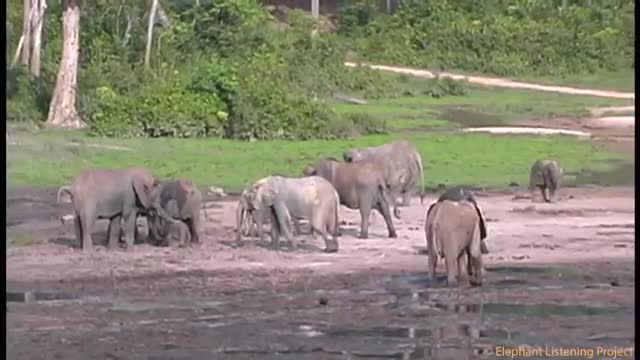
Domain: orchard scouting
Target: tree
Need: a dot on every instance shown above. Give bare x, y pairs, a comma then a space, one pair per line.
30, 44
62, 110
152, 18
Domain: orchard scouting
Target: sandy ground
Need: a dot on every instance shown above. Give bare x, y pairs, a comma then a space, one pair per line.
498, 82
564, 266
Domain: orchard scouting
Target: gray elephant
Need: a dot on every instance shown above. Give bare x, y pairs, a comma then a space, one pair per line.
249, 223
452, 230
462, 194
360, 185
545, 175
402, 166
181, 200
117, 195
281, 198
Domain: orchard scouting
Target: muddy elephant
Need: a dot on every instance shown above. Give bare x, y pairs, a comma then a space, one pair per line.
361, 186
117, 195
462, 194
546, 175
402, 166
181, 200
283, 199
452, 230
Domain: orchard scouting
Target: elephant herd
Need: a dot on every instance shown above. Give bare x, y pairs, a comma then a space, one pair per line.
371, 178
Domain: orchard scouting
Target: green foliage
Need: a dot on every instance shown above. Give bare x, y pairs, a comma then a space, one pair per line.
513, 37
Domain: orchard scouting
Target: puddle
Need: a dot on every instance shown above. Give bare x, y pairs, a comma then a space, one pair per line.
531, 310
33, 296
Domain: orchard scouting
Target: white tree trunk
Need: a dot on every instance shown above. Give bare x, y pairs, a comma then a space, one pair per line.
62, 111
152, 19
26, 33
36, 27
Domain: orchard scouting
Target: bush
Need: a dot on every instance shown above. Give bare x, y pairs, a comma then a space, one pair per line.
155, 111
513, 38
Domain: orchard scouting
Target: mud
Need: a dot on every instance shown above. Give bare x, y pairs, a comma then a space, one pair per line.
559, 275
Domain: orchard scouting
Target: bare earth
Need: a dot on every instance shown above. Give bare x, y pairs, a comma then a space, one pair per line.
558, 275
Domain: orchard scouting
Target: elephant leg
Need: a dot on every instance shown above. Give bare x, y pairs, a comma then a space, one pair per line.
77, 227
323, 227
433, 263
463, 269
552, 194
192, 224
113, 233
285, 222
259, 219
86, 222
386, 214
543, 190
129, 229
452, 269
275, 229
296, 227
365, 211
477, 270
406, 198
483, 247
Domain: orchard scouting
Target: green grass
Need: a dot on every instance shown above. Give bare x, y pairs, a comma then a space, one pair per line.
621, 80
46, 158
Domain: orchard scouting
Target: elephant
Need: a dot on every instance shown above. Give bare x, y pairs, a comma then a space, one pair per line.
283, 198
117, 195
360, 185
462, 194
545, 175
181, 200
452, 230
402, 166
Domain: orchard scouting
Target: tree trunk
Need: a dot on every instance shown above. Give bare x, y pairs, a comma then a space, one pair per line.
36, 27
26, 33
62, 111
152, 19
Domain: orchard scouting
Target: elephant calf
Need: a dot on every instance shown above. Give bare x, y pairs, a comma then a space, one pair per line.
360, 185
116, 195
452, 230
282, 198
182, 201
545, 175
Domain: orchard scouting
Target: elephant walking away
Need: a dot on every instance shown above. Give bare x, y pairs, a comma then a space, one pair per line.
116, 195
281, 198
402, 166
360, 185
461, 194
452, 230
546, 175
181, 200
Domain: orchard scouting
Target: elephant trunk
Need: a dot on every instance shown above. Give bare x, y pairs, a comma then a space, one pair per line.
421, 170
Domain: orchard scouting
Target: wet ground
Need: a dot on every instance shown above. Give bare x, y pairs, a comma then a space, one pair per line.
560, 277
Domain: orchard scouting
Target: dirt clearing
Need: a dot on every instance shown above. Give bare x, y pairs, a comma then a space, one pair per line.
554, 272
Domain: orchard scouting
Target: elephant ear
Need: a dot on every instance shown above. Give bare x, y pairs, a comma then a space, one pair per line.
144, 187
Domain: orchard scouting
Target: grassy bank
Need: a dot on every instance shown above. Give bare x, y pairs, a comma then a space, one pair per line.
53, 158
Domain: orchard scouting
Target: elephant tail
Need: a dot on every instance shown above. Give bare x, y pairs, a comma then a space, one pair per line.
62, 189
336, 218
421, 170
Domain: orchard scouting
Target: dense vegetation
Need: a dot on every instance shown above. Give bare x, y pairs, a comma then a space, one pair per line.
229, 68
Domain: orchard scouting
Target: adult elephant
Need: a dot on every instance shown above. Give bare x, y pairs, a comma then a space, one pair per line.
402, 166
283, 199
116, 195
452, 230
462, 194
361, 186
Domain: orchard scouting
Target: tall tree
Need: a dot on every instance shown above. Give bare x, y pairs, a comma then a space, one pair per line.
62, 110
152, 21
39, 8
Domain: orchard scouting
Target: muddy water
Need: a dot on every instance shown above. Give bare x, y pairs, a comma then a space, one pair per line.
390, 317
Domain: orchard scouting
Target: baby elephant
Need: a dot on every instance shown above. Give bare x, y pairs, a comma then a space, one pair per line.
452, 229
545, 175
182, 201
